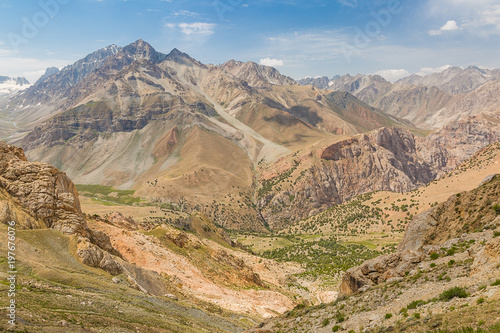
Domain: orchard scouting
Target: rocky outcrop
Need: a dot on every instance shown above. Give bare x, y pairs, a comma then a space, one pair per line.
465, 137
462, 213
441, 226
93, 256
127, 223
378, 270
43, 190
42, 197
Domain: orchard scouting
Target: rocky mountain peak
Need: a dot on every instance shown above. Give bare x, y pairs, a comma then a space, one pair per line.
48, 73
256, 75
182, 58
142, 50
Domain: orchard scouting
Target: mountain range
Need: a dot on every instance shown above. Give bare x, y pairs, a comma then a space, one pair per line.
217, 188
429, 101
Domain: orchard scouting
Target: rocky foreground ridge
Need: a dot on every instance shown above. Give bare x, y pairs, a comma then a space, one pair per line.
444, 275
38, 196
202, 266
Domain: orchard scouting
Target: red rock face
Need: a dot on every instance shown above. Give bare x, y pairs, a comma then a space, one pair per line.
386, 159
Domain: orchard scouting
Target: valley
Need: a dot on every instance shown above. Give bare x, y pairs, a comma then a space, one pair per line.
156, 193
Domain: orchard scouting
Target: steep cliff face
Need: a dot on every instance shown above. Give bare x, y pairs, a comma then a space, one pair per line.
387, 159
38, 196
465, 137
42, 189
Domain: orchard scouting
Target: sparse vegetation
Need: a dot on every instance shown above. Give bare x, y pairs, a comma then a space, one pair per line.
452, 293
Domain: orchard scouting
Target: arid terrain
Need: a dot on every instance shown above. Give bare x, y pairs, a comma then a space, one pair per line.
154, 193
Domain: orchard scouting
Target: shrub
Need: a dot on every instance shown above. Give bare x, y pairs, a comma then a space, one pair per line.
416, 315
451, 262
480, 301
496, 208
415, 304
336, 328
452, 293
388, 315
340, 317
434, 255
325, 322
496, 283
433, 265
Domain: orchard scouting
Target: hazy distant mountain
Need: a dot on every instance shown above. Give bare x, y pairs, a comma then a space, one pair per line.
10, 85
321, 82
365, 87
429, 101
455, 80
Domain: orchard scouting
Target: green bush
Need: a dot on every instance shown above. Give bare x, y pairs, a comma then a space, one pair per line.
340, 317
325, 322
388, 315
433, 265
434, 255
480, 301
452, 293
496, 208
496, 283
415, 304
336, 328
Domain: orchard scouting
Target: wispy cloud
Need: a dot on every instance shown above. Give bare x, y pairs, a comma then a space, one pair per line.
187, 13
393, 75
271, 62
197, 28
430, 70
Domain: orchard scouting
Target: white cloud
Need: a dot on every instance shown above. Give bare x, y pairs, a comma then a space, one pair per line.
183, 12
429, 70
393, 75
198, 28
479, 17
451, 25
271, 62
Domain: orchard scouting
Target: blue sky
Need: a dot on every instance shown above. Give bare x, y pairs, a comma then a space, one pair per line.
299, 37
